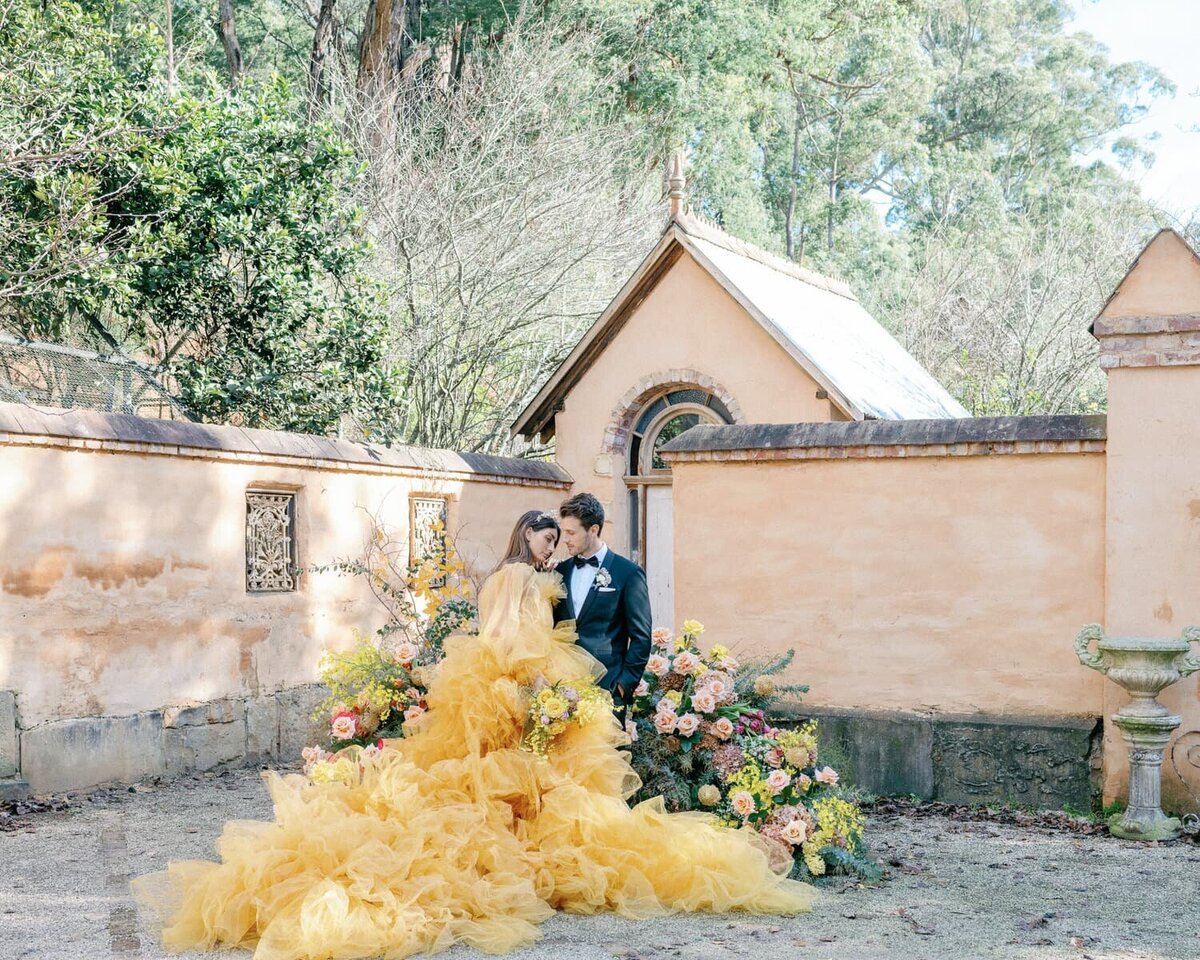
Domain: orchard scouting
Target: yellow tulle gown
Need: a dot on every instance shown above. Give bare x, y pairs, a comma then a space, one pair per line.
457, 835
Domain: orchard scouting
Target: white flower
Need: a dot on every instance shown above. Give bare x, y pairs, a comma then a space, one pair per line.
796, 832
631, 730
642, 689
372, 751
778, 780
687, 724
603, 578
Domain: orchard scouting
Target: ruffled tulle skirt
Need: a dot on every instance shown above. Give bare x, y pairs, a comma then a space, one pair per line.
457, 835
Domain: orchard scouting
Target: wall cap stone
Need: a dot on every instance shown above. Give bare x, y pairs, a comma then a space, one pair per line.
973, 436
25, 425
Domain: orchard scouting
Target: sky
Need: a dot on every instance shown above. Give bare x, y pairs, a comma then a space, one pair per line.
1165, 34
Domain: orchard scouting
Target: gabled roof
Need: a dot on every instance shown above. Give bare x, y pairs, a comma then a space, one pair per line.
816, 319
1169, 245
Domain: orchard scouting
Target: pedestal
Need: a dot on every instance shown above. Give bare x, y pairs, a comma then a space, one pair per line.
1146, 738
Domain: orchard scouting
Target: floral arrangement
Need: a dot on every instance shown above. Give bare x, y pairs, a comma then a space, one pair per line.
703, 741
554, 707
323, 766
379, 686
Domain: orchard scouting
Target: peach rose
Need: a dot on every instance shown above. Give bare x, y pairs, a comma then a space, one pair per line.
728, 664
778, 781
664, 721
686, 662
343, 726
743, 803
406, 653
414, 712
642, 689
666, 705
704, 701
827, 776
722, 728
661, 637
796, 832
687, 724
658, 665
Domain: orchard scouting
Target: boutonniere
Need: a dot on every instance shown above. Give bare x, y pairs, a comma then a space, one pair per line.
603, 578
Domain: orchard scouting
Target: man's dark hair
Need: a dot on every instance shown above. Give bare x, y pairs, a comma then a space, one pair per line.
585, 508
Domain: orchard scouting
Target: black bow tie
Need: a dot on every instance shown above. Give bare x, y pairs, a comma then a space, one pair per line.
584, 561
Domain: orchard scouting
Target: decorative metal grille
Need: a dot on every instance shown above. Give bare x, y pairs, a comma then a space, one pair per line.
427, 542
270, 542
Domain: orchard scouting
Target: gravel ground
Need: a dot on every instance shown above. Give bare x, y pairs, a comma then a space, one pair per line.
955, 889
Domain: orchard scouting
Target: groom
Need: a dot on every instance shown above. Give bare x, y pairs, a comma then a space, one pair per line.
606, 597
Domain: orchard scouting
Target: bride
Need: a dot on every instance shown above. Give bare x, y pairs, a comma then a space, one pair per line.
458, 834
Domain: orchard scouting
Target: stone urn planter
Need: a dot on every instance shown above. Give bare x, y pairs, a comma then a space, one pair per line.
1143, 666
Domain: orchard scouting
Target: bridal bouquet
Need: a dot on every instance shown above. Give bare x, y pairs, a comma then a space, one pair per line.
554, 707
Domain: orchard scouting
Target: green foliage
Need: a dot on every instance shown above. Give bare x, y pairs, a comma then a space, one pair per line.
214, 234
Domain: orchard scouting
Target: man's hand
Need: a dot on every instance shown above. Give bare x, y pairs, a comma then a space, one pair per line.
620, 691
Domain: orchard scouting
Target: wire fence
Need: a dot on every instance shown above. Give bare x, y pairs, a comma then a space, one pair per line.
50, 375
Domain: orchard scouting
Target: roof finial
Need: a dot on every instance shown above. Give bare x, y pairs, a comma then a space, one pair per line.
678, 184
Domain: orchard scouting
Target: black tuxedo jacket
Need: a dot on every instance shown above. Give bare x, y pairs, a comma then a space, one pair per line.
613, 623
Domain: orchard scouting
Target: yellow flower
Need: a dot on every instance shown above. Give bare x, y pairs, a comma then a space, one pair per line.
680, 644
764, 686
674, 696
701, 670
708, 795
555, 707
718, 651
692, 628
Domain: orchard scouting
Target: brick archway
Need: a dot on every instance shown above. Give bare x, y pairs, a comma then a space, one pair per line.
616, 434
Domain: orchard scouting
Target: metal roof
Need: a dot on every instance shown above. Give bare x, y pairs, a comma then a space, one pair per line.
815, 318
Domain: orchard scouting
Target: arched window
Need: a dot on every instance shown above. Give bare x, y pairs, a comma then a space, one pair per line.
663, 418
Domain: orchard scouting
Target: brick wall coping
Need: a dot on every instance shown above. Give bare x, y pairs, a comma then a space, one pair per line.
24, 425
973, 436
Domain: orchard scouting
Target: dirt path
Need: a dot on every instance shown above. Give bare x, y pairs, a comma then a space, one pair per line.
960, 890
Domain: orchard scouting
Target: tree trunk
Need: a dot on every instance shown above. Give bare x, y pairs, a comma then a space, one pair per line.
169, 40
233, 51
793, 188
318, 67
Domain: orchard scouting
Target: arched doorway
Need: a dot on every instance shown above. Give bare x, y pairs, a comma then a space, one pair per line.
662, 418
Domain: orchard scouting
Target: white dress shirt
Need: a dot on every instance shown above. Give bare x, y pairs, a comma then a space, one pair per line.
583, 577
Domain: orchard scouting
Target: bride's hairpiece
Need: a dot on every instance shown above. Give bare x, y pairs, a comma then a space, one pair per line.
546, 516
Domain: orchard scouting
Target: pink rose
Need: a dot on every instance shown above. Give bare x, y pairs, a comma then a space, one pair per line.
723, 728
743, 803
406, 653
343, 726
827, 776
704, 701
778, 781
775, 757
666, 705
642, 689
664, 721
414, 712
687, 724
661, 637
658, 665
631, 731
728, 664
686, 662
796, 832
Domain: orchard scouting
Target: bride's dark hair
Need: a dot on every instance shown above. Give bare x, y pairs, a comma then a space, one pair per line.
518, 547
